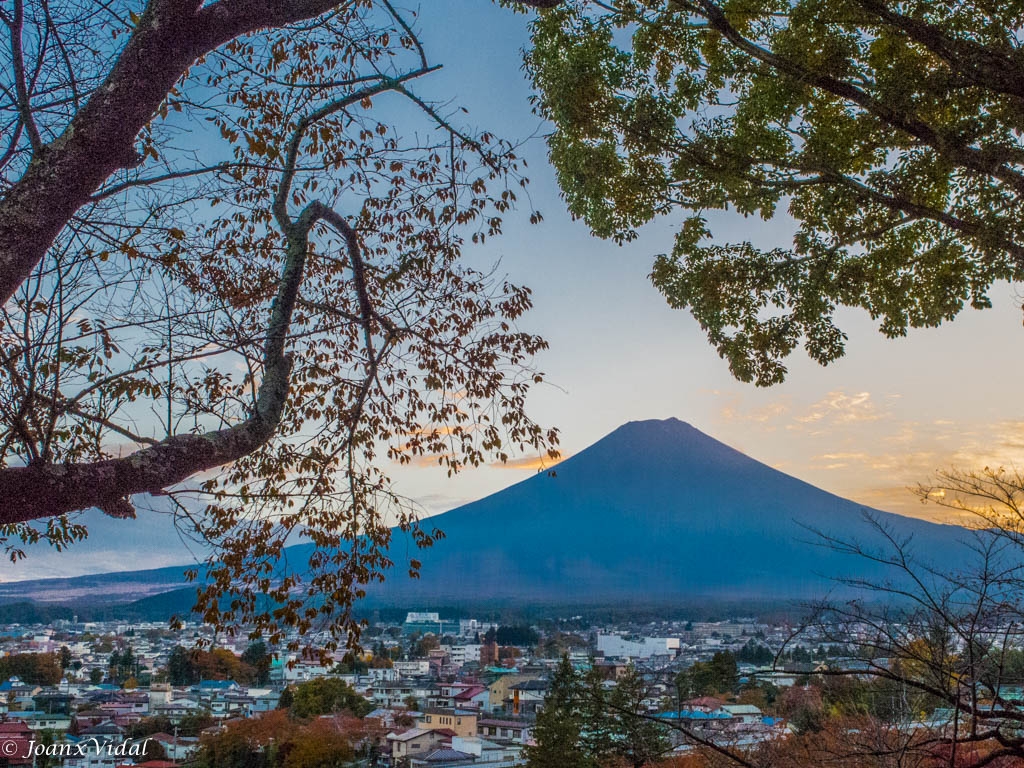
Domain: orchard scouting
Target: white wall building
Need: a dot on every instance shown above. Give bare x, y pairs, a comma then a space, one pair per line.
462, 654
619, 647
412, 668
469, 627
416, 617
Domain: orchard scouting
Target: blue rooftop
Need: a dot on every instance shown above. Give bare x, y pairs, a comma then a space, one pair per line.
692, 714
218, 685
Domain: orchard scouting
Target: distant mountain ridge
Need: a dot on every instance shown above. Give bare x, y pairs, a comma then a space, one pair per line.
655, 511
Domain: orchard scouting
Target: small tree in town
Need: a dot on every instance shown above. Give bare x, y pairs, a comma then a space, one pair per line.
558, 732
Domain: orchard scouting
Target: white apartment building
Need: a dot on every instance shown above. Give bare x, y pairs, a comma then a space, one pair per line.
619, 647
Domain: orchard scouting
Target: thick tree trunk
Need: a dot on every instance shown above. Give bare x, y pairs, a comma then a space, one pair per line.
48, 490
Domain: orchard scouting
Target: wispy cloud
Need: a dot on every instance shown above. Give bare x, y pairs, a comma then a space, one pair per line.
840, 408
1000, 444
760, 415
844, 456
733, 408
438, 503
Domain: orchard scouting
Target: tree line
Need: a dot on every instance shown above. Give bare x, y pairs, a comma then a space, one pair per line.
189, 667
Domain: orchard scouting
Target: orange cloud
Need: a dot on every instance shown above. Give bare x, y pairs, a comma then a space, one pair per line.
443, 429
431, 460
902, 500
535, 463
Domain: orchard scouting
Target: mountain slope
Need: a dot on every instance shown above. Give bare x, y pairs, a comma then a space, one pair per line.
656, 511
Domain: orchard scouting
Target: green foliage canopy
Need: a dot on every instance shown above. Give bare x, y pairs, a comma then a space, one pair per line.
638, 741
585, 725
517, 635
706, 678
259, 659
889, 132
326, 695
32, 668
558, 733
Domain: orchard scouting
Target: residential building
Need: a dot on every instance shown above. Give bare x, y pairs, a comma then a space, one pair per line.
459, 721
515, 731
415, 741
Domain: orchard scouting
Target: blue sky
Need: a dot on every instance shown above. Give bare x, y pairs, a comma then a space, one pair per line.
879, 420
